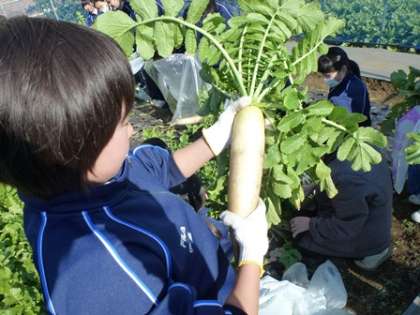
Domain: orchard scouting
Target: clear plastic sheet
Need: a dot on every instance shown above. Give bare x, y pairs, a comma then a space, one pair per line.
178, 78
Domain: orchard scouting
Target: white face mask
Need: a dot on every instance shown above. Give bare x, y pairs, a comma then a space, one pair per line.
332, 83
104, 9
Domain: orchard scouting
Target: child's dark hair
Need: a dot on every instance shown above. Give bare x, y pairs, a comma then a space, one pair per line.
334, 61
85, 2
63, 88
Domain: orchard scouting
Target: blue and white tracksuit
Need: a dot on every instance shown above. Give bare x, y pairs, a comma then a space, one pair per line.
129, 246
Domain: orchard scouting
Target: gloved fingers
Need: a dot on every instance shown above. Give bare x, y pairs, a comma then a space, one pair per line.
259, 213
296, 232
238, 104
242, 102
296, 228
231, 219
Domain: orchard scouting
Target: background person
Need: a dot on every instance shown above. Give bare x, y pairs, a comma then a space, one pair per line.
91, 10
342, 75
356, 223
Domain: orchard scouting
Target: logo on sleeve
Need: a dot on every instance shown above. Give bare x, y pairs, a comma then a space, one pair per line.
186, 239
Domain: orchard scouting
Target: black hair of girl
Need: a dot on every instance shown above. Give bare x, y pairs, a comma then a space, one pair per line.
85, 2
63, 88
334, 61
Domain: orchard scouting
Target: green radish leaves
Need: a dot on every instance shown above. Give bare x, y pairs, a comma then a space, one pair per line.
146, 9
119, 26
359, 149
196, 10
172, 7
248, 55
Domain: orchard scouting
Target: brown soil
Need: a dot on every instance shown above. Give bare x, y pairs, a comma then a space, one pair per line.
390, 289
145, 116
380, 92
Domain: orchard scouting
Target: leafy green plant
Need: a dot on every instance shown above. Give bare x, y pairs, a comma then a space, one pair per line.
213, 174
413, 150
377, 22
19, 283
64, 10
248, 56
408, 87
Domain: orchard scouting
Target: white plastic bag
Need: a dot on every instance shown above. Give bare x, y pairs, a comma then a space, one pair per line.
325, 293
297, 274
410, 122
178, 79
278, 297
136, 63
327, 281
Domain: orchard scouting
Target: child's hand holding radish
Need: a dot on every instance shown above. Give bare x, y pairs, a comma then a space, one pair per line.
250, 233
215, 138
218, 135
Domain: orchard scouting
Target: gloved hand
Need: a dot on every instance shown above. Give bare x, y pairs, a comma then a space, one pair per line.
250, 233
218, 135
299, 225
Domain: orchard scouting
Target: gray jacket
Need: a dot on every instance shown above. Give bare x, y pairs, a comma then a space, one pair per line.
357, 222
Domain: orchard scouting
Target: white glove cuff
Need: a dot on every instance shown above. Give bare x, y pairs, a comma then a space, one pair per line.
214, 138
217, 136
250, 255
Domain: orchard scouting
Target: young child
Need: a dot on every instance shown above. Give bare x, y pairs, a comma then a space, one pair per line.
107, 235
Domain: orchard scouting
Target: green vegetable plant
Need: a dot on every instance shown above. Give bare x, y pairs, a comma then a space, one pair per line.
247, 55
413, 151
408, 86
384, 22
19, 283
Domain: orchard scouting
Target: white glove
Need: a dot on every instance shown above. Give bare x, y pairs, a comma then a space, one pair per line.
250, 233
218, 135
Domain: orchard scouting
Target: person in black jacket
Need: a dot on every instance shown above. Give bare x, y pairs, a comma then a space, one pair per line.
356, 223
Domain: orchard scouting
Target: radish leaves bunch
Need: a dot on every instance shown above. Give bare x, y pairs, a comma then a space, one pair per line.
248, 55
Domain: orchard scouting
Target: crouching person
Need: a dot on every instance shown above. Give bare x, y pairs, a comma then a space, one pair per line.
356, 223
108, 237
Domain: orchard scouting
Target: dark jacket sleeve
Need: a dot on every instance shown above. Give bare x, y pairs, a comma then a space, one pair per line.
159, 163
349, 215
357, 93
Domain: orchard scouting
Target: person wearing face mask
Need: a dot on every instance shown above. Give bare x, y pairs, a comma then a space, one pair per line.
347, 89
102, 6
91, 11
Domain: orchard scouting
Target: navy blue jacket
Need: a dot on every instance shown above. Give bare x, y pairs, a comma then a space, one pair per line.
357, 221
129, 246
126, 7
90, 19
352, 94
